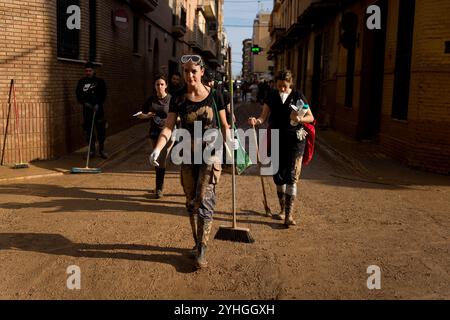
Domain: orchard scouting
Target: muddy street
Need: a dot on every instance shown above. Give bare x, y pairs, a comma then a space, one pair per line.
129, 245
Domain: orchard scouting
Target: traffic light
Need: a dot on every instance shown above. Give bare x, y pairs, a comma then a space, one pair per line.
256, 49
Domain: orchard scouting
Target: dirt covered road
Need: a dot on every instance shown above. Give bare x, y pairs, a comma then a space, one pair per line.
131, 246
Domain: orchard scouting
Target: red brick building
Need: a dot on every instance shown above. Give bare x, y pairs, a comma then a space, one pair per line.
129, 41
390, 86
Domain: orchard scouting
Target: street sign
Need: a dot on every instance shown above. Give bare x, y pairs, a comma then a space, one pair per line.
120, 19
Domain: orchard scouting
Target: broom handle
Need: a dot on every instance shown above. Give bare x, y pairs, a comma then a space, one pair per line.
233, 174
17, 124
7, 121
266, 206
90, 140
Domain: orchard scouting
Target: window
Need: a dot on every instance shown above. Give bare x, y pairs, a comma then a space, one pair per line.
68, 40
183, 17
136, 34
92, 30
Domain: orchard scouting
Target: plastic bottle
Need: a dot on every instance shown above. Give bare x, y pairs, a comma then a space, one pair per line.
301, 108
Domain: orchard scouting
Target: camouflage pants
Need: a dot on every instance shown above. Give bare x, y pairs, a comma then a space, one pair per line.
199, 185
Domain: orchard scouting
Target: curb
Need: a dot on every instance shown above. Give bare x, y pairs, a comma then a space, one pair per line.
45, 175
123, 152
349, 161
114, 156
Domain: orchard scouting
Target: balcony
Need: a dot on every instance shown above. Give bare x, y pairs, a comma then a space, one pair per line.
179, 24
209, 47
144, 6
196, 39
278, 37
319, 12
213, 28
209, 8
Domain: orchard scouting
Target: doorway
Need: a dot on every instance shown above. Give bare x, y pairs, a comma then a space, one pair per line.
317, 72
372, 78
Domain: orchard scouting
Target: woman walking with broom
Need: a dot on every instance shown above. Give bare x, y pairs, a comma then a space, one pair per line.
195, 104
280, 108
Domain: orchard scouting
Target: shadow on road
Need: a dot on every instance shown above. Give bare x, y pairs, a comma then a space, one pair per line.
74, 199
56, 244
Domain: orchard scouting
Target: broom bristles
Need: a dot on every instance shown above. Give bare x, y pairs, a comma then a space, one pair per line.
234, 234
20, 166
86, 170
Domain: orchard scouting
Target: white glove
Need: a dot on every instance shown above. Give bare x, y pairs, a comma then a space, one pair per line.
234, 144
301, 134
154, 156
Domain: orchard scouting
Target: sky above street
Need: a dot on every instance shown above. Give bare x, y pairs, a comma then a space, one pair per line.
238, 23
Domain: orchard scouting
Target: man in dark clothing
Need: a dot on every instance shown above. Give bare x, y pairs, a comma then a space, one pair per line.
175, 83
91, 93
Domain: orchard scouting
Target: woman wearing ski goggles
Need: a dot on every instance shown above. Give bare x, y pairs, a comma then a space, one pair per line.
194, 58
195, 104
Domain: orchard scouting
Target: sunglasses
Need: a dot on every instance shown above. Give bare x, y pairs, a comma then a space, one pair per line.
193, 58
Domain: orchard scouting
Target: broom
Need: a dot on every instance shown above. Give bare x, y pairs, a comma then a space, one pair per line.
233, 233
87, 169
21, 164
266, 205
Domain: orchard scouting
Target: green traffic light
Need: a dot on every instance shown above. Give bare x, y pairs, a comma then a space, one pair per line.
256, 49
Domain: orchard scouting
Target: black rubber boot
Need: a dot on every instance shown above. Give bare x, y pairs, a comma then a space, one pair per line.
203, 230
282, 200
289, 219
160, 173
193, 221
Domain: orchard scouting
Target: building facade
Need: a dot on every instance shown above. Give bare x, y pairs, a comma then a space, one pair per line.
387, 85
129, 40
262, 66
247, 60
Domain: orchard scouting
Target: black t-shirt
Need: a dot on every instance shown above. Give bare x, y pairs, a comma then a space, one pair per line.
159, 106
280, 113
190, 111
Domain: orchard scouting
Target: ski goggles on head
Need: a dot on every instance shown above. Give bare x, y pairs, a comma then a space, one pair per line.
194, 58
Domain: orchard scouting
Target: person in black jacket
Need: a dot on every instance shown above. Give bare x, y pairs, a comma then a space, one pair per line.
277, 109
91, 93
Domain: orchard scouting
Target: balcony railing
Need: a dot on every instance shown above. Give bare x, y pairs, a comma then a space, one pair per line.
179, 24
196, 38
209, 46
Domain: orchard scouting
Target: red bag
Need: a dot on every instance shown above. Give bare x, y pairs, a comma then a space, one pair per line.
310, 138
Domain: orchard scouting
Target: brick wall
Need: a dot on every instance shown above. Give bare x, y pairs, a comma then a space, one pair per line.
50, 118
423, 140
26, 55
